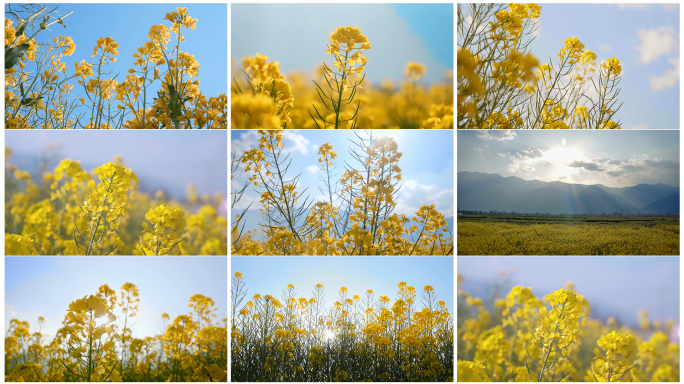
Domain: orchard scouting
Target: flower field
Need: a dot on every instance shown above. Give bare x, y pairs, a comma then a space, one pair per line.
73, 212
356, 216
337, 97
568, 237
95, 343
160, 90
525, 338
355, 339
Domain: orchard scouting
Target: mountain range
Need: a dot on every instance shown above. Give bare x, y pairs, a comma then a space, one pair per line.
486, 192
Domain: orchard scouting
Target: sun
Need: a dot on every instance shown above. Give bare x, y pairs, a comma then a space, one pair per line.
329, 335
561, 156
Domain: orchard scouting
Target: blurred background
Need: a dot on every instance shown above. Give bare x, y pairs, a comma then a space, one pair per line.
164, 161
614, 286
296, 35
44, 286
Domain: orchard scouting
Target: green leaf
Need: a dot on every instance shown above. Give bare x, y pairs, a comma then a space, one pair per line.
21, 30
12, 55
30, 101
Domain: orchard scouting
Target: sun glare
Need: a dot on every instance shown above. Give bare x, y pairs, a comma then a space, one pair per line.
329, 335
561, 156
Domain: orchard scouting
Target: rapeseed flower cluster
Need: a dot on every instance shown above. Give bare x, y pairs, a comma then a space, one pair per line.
41, 95
95, 344
520, 337
74, 212
498, 87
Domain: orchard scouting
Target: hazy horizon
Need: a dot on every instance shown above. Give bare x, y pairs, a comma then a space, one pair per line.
522, 178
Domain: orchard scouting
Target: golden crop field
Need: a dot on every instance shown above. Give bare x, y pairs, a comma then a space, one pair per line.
96, 344
73, 212
567, 237
525, 338
336, 96
355, 339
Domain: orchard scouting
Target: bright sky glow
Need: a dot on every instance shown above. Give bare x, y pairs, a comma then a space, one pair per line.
614, 286
271, 275
166, 160
329, 335
611, 158
44, 286
398, 33
644, 37
426, 166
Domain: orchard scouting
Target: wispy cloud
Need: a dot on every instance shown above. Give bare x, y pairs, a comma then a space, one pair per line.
668, 79
503, 135
657, 42
298, 143
639, 126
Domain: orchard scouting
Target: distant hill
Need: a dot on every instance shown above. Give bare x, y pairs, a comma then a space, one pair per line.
664, 206
644, 194
486, 192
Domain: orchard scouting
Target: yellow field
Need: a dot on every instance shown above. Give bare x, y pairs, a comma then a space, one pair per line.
574, 238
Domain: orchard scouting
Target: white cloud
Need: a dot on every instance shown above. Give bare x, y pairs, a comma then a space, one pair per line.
440, 195
244, 203
250, 139
501, 155
667, 79
312, 168
409, 204
605, 47
481, 29
657, 42
502, 135
631, 5
537, 29
247, 141
299, 142
414, 184
666, 6
478, 149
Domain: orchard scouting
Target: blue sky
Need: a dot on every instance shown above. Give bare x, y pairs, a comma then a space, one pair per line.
129, 24
614, 286
644, 37
296, 35
165, 160
609, 157
44, 286
271, 275
426, 165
